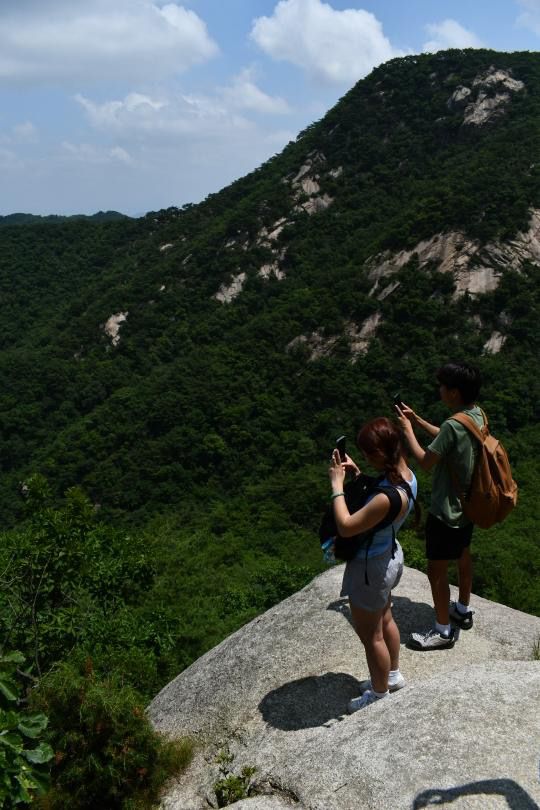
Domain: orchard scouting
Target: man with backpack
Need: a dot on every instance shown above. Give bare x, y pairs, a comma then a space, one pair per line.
451, 456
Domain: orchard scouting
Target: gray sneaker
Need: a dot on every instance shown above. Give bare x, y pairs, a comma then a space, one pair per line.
432, 640
392, 687
463, 620
361, 702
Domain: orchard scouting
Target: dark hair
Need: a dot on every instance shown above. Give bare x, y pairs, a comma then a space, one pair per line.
382, 436
464, 377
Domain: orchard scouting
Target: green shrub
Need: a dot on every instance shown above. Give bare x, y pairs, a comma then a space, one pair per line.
66, 581
106, 752
232, 787
23, 760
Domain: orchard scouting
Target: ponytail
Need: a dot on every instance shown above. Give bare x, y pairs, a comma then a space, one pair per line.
382, 437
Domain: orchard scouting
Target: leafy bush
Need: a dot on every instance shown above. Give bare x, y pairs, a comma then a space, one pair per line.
232, 787
23, 760
106, 752
66, 580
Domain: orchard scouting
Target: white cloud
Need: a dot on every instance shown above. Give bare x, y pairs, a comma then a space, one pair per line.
450, 34
187, 114
92, 154
330, 45
530, 18
26, 132
19, 134
182, 146
244, 94
117, 153
139, 116
116, 114
100, 39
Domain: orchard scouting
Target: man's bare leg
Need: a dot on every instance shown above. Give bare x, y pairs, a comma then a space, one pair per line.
440, 589
464, 565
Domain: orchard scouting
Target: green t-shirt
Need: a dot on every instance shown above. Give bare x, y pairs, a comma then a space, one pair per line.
457, 450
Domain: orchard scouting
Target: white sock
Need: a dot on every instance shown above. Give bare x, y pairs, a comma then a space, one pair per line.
443, 629
462, 608
393, 676
380, 695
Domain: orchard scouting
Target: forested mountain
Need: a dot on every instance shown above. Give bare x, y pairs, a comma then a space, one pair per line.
190, 370
30, 219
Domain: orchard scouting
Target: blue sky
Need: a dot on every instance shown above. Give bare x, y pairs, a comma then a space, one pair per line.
136, 105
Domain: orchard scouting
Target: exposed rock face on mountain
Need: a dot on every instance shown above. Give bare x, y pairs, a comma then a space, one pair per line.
420, 150
112, 326
227, 292
476, 267
464, 733
488, 96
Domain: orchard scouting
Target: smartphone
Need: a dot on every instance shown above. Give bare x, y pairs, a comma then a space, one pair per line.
340, 446
398, 401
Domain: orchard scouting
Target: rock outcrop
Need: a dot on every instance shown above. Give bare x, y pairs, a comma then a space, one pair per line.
475, 267
360, 338
228, 292
488, 98
316, 343
112, 325
495, 343
464, 733
306, 184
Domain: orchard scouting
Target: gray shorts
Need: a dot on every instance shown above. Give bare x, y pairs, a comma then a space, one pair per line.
384, 574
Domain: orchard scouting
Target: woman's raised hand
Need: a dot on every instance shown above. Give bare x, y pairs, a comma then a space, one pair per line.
339, 469
350, 466
336, 472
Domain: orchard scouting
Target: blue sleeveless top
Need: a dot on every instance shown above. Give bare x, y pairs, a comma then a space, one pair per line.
382, 540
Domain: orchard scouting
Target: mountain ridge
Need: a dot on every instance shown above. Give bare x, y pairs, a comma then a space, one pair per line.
53, 219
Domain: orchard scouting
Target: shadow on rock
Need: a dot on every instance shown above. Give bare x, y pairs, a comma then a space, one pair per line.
309, 702
410, 617
516, 797
341, 606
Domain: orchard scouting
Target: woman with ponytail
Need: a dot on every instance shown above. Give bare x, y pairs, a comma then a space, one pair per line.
370, 597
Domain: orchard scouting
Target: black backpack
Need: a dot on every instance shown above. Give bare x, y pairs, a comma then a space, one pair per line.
357, 492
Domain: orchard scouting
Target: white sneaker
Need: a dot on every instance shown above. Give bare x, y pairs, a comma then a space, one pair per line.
399, 683
432, 640
361, 702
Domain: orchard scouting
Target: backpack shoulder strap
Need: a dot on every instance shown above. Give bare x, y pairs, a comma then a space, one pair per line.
472, 427
480, 434
396, 505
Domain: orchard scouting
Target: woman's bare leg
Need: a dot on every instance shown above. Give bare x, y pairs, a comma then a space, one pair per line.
369, 628
391, 635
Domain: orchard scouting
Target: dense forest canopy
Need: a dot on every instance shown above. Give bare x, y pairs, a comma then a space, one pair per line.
199, 424
29, 219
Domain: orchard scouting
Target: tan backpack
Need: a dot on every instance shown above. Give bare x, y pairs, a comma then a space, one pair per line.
493, 492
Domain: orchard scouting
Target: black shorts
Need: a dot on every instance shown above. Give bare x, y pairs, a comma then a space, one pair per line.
446, 542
